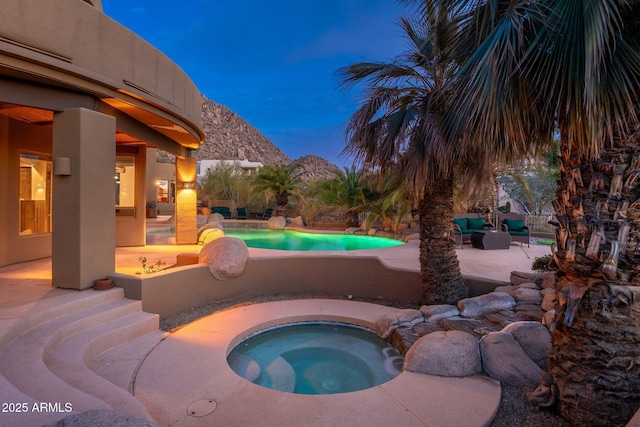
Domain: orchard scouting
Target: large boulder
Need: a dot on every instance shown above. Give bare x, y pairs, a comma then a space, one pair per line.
215, 217
226, 257
505, 360
399, 318
534, 339
209, 235
548, 299
446, 354
525, 295
296, 222
435, 313
487, 303
277, 223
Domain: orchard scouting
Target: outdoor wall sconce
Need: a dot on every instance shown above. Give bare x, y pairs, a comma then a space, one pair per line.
186, 186
62, 166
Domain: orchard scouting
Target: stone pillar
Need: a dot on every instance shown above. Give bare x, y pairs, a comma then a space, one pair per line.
84, 222
186, 209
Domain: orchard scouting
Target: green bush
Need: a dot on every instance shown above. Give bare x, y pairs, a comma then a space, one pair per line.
543, 263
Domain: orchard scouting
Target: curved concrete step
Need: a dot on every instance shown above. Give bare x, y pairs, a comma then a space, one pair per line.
79, 328
20, 319
70, 359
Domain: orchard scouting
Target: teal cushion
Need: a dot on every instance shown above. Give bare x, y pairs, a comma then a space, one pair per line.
523, 232
514, 224
461, 222
476, 223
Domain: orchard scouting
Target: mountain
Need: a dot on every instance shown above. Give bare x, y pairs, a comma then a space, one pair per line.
228, 137
316, 168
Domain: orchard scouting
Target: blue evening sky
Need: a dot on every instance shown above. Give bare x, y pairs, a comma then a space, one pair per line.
273, 62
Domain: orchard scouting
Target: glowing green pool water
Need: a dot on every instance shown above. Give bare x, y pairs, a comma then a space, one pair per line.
290, 240
316, 358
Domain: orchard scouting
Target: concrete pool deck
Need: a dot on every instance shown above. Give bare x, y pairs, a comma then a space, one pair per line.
168, 385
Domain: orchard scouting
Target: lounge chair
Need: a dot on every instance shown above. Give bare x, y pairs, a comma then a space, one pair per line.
242, 213
222, 210
267, 213
465, 224
515, 225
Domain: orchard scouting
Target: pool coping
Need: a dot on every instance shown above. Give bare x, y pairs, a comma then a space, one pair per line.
201, 347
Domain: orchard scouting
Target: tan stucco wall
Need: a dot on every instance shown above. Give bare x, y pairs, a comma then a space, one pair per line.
181, 288
62, 55
78, 45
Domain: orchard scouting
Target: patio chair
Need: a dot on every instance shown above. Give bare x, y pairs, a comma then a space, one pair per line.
222, 210
465, 224
242, 213
267, 213
515, 225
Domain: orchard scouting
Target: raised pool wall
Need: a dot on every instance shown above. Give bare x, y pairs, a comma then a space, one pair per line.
178, 289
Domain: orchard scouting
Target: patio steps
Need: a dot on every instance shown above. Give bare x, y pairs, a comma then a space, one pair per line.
46, 351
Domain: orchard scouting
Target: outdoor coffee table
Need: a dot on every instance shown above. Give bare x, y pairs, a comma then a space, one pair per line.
490, 239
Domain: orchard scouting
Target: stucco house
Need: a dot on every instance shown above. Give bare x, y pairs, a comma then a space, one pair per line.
82, 99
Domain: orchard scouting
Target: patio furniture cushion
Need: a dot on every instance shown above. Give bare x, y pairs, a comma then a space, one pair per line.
475, 223
523, 232
514, 225
460, 222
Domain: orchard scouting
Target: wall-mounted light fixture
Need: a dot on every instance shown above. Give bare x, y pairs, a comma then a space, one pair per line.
186, 185
62, 166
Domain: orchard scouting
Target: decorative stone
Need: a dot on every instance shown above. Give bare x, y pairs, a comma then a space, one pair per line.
414, 236
505, 360
488, 303
549, 280
529, 285
548, 299
296, 222
527, 296
352, 230
209, 235
519, 277
547, 319
534, 339
277, 223
529, 311
424, 328
446, 354
505, 289
212, 224
226, 257
476, 327
435, 313
372, 231
400, 318
215, 217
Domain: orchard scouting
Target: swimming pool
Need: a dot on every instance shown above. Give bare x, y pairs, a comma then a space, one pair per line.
290, 240
316, 358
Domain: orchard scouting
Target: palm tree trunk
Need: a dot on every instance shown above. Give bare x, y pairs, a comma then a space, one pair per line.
595, 354
352, 217
441, 278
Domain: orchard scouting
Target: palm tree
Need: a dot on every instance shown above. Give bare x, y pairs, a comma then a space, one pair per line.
348, 190
531, 68
279, 181
400, 127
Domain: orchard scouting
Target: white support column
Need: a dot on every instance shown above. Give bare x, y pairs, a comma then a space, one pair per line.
84, 223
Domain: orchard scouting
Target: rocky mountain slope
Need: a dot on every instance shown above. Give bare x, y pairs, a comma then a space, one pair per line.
316, 168
228, 136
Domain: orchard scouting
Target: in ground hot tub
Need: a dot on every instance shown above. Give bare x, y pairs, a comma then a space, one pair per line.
316, 358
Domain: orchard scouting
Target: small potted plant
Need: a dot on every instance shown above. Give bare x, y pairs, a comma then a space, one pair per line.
103, 284
152, 211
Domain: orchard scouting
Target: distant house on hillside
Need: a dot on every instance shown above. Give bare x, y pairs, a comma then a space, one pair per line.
247, 167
